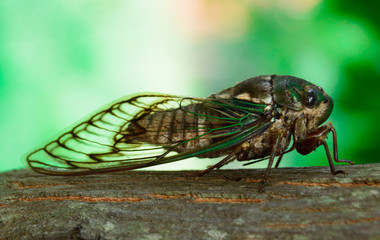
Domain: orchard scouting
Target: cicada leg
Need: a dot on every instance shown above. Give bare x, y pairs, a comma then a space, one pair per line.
317, 138
278, 161
229, 158
270, 163
335, 152
282, 154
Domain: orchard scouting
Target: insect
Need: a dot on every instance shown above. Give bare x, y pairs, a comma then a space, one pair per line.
253, 121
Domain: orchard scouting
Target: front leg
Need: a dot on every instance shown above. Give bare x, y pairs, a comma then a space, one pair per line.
317, 138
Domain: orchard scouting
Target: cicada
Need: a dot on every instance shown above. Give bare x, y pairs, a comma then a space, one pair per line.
255, 120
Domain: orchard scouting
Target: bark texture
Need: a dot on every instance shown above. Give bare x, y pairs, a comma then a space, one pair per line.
298, 203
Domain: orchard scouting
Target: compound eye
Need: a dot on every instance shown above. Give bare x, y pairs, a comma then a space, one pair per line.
311, 100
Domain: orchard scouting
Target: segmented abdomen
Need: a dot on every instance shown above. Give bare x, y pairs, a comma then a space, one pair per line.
167, 128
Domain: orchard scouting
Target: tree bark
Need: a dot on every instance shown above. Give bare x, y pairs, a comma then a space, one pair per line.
298, 203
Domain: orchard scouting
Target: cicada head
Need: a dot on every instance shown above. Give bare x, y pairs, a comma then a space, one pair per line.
301, 95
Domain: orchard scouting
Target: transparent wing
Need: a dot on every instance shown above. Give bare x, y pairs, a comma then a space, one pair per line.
147, 130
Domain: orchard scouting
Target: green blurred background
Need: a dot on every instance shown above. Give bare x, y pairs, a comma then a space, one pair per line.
62, 59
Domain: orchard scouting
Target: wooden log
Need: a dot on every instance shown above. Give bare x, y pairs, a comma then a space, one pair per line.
298, 203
